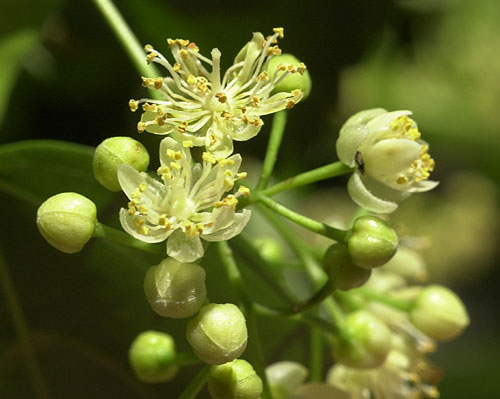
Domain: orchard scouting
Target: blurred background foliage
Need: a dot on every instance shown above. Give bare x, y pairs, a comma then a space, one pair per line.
63, 76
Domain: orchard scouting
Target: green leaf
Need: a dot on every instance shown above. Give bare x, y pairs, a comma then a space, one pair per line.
35, 170
12, 50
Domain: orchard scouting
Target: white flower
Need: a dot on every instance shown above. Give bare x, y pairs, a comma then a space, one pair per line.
201, 108
389, 158
187, 205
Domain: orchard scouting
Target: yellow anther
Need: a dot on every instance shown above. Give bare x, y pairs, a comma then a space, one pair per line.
143, 230
221, 97
131, 210
281, 32
274, 50
296, 92
290, 104
255, 101
291, 68
243, 109
402, 180
172, 154
226, 115
151, 107
148, 48
301, 68
244, 190
228, 173
138, 221
182, 127
187, 144
142, 187
242, 175
184, 53
193, 46
141, 126
175, 165
213, 139
163, 221
133, 105
160, 120
226, 162
136, 194
146, 82
163, 170
228, 183
177, 67
281, 67
191, 80
263, 76
142, 209
208, 157
151, 56
158, 83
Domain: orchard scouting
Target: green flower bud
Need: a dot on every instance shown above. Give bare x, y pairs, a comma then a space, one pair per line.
234, 380
284, 378
294, 81
67, 221
114, 152
151, 356
364, 341
344, 274
175, 289
372, 242
218, 334
439, 313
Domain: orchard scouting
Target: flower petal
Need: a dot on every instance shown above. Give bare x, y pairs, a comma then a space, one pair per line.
130, 179
218, 140
364, 198
352, 134
183, 248
153, 236
240, 221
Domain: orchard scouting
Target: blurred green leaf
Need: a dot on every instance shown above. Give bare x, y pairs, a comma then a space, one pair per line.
35, 170
12, 50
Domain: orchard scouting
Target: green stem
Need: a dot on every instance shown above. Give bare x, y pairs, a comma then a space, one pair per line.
324, 292
186, 359
128, 40
316, 355
196, 384
277, 130
304, 221
103, 231
236, 280
311, 176
405, 306
22, 330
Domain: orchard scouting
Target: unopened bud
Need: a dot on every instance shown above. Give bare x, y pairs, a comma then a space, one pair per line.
372, 242
114, 152
344, 274
364, 341
67, 221
218, 334
439, 313
293, 81
284, 378
236, 379
175, 289
152, 355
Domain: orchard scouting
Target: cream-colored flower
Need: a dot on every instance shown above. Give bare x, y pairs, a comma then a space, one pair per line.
389, 158
189, 204
202, 108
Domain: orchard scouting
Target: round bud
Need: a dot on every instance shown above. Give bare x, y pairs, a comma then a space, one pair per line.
234, 380
284, 378
67, 221
293, 81
218, 334
372, 242
439, 313
344, 274
114, 152
364, 341
151, 356
175, 289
